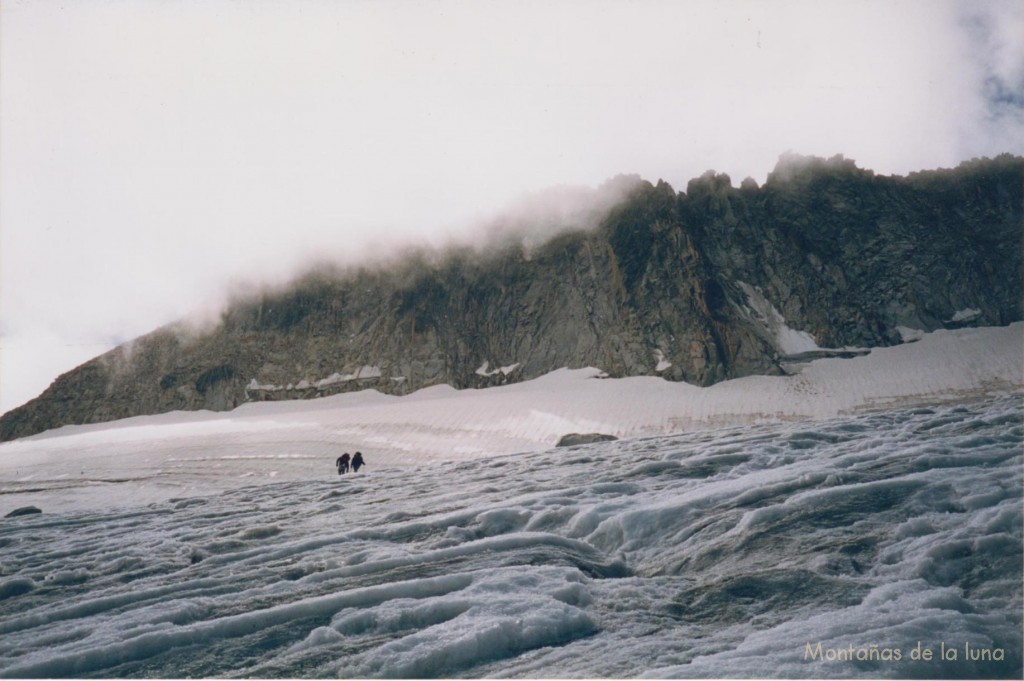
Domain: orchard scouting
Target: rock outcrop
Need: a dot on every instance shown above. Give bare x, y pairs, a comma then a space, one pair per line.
575, 439
713, 283
24, 510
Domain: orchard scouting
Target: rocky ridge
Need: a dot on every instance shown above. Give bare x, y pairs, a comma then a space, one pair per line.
704, 285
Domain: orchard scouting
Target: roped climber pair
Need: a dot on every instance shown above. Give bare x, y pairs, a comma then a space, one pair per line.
344, 461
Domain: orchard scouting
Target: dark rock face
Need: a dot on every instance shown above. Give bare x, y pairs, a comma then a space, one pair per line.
699, 286
573, 439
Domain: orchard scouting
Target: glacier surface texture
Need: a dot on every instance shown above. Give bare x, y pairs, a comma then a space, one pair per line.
794, 549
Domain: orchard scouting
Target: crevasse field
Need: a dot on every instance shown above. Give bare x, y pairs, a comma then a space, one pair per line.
862, 518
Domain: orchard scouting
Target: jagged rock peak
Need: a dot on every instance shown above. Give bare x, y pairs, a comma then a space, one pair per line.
714, 283
792, 166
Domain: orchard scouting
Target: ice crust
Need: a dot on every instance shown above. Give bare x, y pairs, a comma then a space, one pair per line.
714, 553
185, 453
873, 501
787, 340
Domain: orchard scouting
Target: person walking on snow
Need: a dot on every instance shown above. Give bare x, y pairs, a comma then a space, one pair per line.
342, 463
357, 461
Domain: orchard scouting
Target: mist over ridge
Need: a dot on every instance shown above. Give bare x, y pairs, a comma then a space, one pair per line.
715, 282
527, 222
532, 220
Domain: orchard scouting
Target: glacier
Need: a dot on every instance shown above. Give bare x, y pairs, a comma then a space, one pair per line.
767, 528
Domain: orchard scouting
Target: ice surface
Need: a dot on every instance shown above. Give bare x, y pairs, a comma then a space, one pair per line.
910, 335
966, 315
787, 340
716, 553
663, 363
193, 452
505, 370
867, 502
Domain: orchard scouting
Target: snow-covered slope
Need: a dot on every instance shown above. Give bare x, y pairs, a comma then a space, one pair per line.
156, 457
818, 525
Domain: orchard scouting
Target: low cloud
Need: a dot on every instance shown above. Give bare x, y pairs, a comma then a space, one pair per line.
534, 218
159, 157
993, 49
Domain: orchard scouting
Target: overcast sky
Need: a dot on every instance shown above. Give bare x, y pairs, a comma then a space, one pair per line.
155, 153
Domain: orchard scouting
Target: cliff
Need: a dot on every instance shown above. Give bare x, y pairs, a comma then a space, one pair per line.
704, 285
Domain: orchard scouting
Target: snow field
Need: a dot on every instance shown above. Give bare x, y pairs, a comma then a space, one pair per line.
719, 553
154, 458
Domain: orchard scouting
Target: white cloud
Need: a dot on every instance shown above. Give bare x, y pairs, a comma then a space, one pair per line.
153, 153
992, 49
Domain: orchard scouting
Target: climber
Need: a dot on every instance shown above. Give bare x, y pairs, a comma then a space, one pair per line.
357, 461
342, 463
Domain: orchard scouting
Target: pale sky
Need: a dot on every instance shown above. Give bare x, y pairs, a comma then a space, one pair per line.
153, 154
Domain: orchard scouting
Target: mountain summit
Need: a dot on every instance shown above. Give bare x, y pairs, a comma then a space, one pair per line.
704, 285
